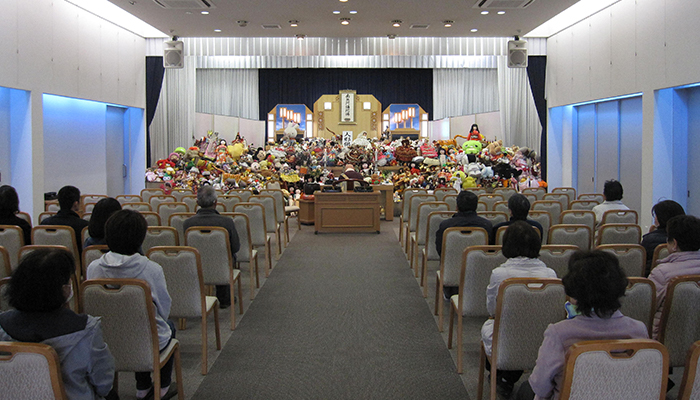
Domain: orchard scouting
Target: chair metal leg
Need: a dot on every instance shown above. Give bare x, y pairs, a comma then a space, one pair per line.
482, 367
204, 344
178, 375
460, 350
424, 275
216, 325
240, 298
449, 334
252, 279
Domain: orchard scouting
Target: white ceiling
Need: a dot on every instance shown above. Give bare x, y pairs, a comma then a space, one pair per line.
316, 18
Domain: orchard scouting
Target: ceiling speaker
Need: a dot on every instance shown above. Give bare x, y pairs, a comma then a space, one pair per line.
517, 54
172, 54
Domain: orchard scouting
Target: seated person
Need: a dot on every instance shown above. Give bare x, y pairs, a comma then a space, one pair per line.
38, 291
69, 201
612, 193
521, 247
466, 216
125, 231
208, 216
350, 173
9, 207
662, 212
100, 214
683, 243
595, 283
519, 207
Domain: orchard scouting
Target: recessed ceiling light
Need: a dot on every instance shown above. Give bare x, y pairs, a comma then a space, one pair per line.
474, 30
484, 12
396, 23
205, 12
353, 12
448, 23
293, 23
343, 1
501, 12
336, 12
391, 36
217, 30
301, 37
345, 21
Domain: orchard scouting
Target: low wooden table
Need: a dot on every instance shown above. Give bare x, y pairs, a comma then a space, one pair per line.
387, 197
306, 211
346, 212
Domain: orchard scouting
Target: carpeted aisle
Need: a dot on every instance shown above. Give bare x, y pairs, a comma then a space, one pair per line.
341, 317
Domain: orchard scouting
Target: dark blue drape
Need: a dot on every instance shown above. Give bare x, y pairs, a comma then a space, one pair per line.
154, 82
536, 71
306, 85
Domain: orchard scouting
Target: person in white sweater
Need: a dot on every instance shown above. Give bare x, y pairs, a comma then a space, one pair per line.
612, 193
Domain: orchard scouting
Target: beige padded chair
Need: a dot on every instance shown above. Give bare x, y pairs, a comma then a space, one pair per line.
214, 248
639, 301
419, 237
539, 192
129, 198
553, 207
86, 216
630, 369
182, 267
578, 217
4, 306
583, 205
619, 217
90, 254
147, 193
177, 220
258, 230
619, 234
440, 193
12, 239
129, 327
180, 193
152, 218
501, 231
495, 217
679, 327
545, 219
229, 201
280, 215
156, 200
411, 220
490, 200
53, 207
59, 235
501, 206
524, 309
556, 257
160, 236
530, 197
569, 191
44, 215
246, 253
429, 251
30, 371
592, 197
244, 194
140, 207
5, 267
506, 192
273, 228
632, 257
660, 252
454, 241
689, 390
477, 191
87, 209
481, 207
577, 235
477, 264
451, 200
403, 219
165, 210
25, 216
191, 201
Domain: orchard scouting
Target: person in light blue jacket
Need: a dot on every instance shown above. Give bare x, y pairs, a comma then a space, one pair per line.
38, 291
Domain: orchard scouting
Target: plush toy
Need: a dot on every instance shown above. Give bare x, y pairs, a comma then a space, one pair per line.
163, 163
474, 133
472, 147
494, 150
290, 132
427, 150
405, 152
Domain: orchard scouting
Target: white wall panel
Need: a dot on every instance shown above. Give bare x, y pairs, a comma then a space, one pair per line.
581, 61
8, 44
630, 149
34, 29
607, 143
253, 131
622, 54
651, 54
586, 147
565, 67
693, 200
109, 61
64, 48
681, 41
600, 54
5, 172
127, 69
89, 56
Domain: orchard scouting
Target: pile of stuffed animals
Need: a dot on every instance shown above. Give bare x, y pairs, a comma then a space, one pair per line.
293, 162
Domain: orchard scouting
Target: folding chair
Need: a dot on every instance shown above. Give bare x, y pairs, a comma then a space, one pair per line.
412, 219
60, 235
90, 254
5, 267
592, 197
619, 234
258, 230
689, 390
12, 239
52, 206
429, 252
157, 236
129, 198
501, 231
191, 201
451, 200
165, 210
577, 235
280, 215
244, 194
44, 215
30, 371
418, 239
506, 192
539, 192
481, 207
550, 206
556, 257
679, 326
569, 191
156, 200
545, 219
180, 193
273, 228
490, 200
632, 257
639, 301
440, 193
140, 207
501, 206
246, 253
147, 193
407, 194
495, 217
583, 205
619, 217
152, 218
660, 252
578, 217
228, 201
25, 216
177, 220
477, 191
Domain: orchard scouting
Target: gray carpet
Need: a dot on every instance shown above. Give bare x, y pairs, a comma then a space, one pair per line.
341, 317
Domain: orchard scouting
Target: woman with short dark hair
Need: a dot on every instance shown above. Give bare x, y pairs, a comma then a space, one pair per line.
38, 291
521, 246
662, 212
100, 214
9, 207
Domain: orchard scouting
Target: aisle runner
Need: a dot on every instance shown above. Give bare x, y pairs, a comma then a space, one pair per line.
341, 317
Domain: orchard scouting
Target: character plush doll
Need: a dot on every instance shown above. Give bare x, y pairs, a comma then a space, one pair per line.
405, 152
474, 133
472, 147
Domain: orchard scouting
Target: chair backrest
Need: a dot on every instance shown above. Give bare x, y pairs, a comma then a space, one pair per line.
244, 194
569, 191
12, 239
256, 220
182, 267
592, 196
268, 202
481, 207
660, 252
415, 202
245, 252
690, 390
476, 190
501, 231
25, 216
619, 217
524, 309
128, 320
451, 200
501, 206
5, 266
87, 209
214, 248
440, 193
477, 264
191, 201
44, 215
177, 220
583, 205
165, 210
490, 200
538, 191
30, 371
578, 217
424, 211
632, 257
531, 197
220, 207
506, 192
630, 369
147, 193
556, 257
407, 194
60, 235
129, 198
90, 254
152, 218
86, 216
577, 235
160, 236
180, 193
496, 217
554, 209
434, 220
140, 207
544, 218
3, 288
619, 233
454, 241
157, 199
230, 200
639, 301
279, 202
53, 207
680, 321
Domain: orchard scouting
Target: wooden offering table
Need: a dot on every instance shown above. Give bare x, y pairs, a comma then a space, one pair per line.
346, 212
387, 198
306, 211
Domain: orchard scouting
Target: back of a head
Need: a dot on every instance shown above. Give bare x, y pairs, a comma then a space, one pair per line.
612, 190
467, 201
125, 231
519, 206
685, 230
521, 240
596, 281
37, 282
349, 167
67, 196
206, 196
665, 210
9, 201
100, 214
